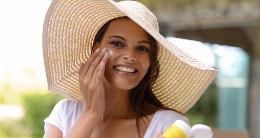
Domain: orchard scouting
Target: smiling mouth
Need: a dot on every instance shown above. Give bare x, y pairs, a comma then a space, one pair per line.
125, 69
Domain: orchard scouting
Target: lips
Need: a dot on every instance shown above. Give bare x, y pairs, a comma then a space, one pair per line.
125, 69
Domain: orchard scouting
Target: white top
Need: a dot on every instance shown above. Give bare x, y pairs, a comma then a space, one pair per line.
66, 112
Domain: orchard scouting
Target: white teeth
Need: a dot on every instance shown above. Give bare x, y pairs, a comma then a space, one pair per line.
125, 69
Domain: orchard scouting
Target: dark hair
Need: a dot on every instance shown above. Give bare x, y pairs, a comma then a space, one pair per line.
142, 98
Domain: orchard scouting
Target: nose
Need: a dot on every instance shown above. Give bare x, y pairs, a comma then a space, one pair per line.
129, 56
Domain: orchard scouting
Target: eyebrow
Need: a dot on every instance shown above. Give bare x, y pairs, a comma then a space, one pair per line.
120, 37
116, 36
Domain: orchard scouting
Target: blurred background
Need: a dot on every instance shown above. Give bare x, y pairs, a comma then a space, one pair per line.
224, 34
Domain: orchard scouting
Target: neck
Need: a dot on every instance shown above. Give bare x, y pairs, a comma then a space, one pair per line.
117, 104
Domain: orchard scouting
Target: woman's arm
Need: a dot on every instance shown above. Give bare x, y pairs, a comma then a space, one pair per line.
52, 132
91, 76
84, 126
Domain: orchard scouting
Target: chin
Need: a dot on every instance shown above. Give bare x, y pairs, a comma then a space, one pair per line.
124, 85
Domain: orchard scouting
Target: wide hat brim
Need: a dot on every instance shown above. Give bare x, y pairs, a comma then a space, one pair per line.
68, 34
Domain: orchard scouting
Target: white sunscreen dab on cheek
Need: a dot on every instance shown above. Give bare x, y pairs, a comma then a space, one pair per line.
110, 52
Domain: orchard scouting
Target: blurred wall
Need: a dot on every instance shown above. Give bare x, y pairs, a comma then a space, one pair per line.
254, 97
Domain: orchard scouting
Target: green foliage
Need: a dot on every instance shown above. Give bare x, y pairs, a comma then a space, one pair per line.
13, 129
37, 107
205, 110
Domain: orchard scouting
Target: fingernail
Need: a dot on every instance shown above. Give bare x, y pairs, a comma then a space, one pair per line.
104, 50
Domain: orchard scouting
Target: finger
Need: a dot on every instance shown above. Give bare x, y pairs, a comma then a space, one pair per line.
86, 65
93, 65
101, 67
96, 83
159, 135
87, 78
81, 65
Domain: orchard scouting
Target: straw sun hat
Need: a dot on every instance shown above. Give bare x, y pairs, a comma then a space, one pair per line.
68, 34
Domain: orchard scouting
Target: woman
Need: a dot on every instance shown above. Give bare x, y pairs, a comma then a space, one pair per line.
124, 86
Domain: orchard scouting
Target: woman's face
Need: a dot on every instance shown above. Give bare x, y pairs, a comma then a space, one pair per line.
130, 59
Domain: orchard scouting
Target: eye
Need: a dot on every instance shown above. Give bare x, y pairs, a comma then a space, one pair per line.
143, 49
117, 44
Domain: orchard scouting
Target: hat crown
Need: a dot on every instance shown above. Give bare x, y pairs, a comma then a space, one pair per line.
141, 12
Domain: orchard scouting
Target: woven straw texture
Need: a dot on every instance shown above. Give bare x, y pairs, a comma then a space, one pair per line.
68, 34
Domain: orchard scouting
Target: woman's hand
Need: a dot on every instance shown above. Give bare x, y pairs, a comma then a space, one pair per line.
161, 136
91, 76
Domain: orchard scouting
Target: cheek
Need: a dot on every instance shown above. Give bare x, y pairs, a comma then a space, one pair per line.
108, 64
145, 62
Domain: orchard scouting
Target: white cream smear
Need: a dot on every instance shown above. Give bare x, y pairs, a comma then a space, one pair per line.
110, 52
